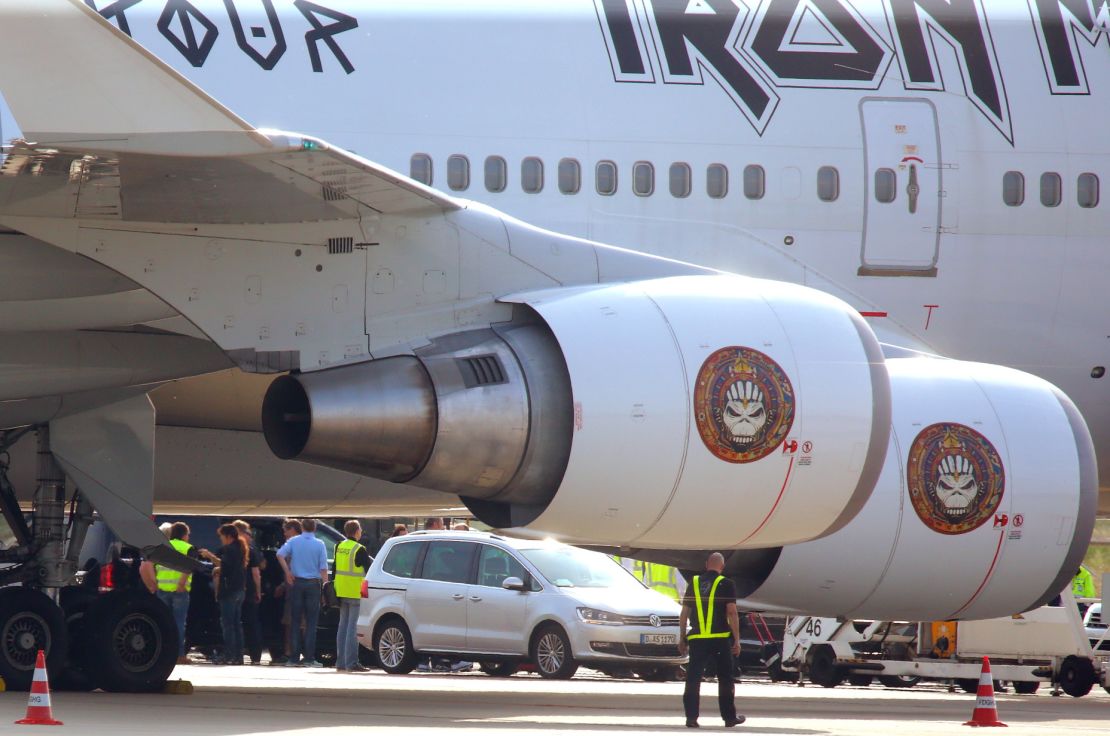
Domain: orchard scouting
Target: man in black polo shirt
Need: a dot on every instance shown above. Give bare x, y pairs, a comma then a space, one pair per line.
714, 636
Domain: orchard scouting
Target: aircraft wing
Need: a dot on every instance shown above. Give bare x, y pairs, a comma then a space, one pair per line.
161, 149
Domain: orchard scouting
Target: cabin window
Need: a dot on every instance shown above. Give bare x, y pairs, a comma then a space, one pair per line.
643, 179
1013, 188
531, 175
828, 184
497, 174
458, 172
1087, 190
716, 181
886, 185
681, 177
570, 176
606, 178
1051, 189
755, 182
420, 168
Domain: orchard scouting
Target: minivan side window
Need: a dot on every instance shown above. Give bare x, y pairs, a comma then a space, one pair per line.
402, 559
495, 564
449, 561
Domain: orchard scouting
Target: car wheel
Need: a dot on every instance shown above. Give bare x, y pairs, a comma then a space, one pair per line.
1024, 687
367, 657
659, 674
499, 669
131, 642
393, 644
899, 680
823, 669
29, 621
1077, 676
552, 655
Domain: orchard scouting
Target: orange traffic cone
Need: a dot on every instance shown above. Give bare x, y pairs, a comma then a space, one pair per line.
38, 704
986, 713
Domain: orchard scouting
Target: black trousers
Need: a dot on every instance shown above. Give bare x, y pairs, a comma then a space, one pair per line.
719, 653
252, 629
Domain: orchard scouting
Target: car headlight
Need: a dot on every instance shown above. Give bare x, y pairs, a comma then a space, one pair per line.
603, 618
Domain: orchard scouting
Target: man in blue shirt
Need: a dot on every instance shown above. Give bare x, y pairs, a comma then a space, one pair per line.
304, 560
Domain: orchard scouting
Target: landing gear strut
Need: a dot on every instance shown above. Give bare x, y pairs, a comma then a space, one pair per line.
124, 641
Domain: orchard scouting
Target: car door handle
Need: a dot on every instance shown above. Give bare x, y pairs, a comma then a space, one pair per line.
475, 597
458, 596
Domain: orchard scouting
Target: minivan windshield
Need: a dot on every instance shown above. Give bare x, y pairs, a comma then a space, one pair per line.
570, 567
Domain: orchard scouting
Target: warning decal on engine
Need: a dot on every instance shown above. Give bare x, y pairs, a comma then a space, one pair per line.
955, 479
743, 404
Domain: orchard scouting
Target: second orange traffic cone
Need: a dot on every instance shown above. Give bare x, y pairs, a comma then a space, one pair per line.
986, 713
38, 704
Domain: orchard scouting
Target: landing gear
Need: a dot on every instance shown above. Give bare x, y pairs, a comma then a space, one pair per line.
76, 676
29, 621
132, 639
124, 641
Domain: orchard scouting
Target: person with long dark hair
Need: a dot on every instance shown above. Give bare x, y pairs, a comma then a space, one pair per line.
231, 579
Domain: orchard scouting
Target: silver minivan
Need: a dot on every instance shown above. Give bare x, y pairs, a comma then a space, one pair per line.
504, 602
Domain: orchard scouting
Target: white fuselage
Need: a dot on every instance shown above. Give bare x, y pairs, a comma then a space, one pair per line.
967, 275
1012, 284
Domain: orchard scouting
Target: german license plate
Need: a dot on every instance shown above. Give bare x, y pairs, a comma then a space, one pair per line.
659, 638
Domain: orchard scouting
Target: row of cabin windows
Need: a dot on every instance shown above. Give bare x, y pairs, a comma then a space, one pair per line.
680, 180
680, 177
1052, 189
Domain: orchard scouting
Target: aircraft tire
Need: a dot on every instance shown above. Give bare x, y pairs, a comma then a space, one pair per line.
132, 642
75, 675
29, 621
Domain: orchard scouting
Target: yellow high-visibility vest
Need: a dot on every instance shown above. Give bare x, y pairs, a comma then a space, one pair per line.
168, 578
348, 575
705, 613
1083, 584
662, 578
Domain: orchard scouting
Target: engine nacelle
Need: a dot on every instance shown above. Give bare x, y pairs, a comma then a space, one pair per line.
984, 508
688, 412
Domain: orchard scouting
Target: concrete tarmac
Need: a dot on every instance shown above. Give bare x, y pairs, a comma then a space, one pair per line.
230, 701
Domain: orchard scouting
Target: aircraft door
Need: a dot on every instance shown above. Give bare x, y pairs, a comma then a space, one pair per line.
903, 188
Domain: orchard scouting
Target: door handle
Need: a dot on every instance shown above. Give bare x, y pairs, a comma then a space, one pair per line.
458, 596
475, 597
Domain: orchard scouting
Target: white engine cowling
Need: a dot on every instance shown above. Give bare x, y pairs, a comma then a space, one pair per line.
682, 413
714, 412
984, 508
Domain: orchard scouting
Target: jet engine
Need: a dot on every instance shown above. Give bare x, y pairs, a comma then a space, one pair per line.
685, 412
984, 508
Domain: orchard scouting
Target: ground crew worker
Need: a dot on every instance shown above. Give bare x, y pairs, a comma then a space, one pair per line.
714, 636
351, 563
1083, 586
662, 578
174, 586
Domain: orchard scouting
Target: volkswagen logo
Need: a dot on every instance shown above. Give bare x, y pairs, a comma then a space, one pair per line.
654, 621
